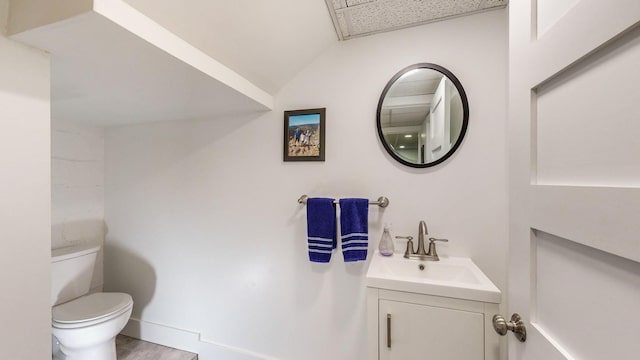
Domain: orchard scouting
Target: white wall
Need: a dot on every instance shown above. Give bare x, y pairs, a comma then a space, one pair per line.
77, 187
205, 231
25, 215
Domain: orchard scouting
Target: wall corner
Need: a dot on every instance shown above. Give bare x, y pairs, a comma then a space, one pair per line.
4, 17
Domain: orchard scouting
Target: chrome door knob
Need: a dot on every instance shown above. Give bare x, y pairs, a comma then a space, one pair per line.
501, 326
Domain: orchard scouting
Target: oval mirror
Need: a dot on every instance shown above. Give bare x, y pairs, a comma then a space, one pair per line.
422, 115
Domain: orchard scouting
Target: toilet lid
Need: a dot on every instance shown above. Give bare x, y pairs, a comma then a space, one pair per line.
90, 307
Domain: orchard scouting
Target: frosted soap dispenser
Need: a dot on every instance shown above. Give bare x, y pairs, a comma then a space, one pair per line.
386, 243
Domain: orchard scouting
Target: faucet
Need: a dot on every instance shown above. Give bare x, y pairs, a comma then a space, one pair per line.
432, 254
422, 231
409, 251
421, 253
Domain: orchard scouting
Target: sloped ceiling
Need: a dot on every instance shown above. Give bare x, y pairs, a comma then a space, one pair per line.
267, 42
234, 54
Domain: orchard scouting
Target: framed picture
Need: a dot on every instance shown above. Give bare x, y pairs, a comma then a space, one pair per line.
304, 135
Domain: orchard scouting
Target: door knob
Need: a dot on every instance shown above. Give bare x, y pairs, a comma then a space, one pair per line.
501, 326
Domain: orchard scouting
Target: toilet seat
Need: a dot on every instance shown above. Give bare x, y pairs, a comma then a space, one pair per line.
90, 309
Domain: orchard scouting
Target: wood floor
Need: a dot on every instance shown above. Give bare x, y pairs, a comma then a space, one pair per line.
128, 348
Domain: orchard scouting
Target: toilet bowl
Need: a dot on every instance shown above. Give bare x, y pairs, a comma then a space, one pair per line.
85, 326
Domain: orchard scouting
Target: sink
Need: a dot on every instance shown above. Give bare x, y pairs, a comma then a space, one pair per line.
455, 277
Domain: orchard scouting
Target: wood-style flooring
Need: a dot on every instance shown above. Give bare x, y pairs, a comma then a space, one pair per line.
128, 348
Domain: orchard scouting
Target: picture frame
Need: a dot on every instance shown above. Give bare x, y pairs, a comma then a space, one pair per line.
304, 135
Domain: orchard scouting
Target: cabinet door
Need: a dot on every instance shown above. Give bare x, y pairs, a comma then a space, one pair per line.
420, 332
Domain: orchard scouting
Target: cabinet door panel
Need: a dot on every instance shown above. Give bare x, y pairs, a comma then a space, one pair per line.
420, 332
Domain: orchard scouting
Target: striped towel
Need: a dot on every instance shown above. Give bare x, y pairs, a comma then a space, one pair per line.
354, 228
321, 229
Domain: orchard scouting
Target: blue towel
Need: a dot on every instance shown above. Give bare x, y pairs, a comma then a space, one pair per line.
321, 228
354, 228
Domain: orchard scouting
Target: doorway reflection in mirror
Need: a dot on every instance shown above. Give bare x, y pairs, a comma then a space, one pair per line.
421, 115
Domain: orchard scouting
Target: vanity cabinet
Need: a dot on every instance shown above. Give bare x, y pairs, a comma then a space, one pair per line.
410, 326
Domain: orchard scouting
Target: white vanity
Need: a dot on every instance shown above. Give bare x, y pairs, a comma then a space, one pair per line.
420, 310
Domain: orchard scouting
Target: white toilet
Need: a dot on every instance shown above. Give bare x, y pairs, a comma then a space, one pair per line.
85, 326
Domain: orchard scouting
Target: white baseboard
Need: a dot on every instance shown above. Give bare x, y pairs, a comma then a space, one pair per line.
188, 340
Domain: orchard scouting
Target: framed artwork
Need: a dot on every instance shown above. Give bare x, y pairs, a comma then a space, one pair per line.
304, 135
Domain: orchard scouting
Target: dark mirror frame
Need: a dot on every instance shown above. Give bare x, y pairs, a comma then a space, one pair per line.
465, 114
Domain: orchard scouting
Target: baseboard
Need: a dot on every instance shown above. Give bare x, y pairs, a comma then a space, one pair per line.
188, 340
162, 334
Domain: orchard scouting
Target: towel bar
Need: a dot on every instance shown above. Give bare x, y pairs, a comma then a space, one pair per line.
382, 201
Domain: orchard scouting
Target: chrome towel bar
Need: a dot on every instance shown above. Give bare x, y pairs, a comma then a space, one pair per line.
382, 201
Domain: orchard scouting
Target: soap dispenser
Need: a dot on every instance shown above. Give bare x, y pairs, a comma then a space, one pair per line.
386, 243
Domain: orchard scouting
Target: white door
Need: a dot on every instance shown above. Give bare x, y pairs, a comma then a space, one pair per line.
574, 144
439, 139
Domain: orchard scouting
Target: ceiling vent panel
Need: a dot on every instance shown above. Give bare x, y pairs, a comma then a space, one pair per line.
354, 18
358, 2
337, 4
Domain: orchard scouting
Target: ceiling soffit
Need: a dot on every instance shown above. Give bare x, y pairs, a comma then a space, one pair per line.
267, 42
354, 18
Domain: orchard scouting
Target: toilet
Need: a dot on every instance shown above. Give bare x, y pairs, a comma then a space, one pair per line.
84, 326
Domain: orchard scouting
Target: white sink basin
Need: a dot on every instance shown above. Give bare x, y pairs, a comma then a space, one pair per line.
454, 277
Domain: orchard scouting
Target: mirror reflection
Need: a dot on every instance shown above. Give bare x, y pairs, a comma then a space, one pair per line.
422, 115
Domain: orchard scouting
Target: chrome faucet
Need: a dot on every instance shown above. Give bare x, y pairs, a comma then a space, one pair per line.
421, 253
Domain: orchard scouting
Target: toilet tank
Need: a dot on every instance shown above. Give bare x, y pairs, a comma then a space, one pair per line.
71, 271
